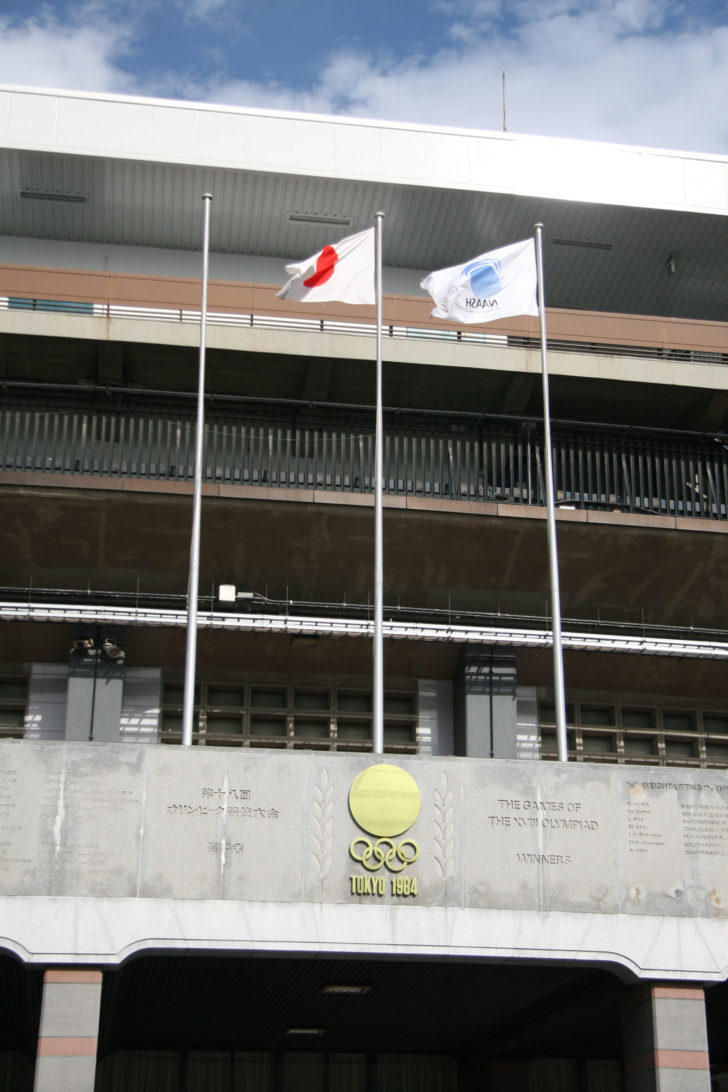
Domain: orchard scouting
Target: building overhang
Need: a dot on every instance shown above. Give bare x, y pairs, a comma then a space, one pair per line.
130, 172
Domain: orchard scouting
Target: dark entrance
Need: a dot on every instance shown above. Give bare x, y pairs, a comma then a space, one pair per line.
322, 1025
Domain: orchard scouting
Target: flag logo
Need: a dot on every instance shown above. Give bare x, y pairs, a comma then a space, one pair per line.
485, 277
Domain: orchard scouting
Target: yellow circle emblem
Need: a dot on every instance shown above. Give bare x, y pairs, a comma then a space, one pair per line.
384, 800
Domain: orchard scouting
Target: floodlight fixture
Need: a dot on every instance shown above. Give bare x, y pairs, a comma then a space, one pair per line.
112, 649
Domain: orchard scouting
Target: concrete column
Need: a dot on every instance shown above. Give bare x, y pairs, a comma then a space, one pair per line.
665, 1039
484, 701
69, 1028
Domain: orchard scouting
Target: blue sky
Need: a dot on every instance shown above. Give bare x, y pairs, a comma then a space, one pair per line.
649, 72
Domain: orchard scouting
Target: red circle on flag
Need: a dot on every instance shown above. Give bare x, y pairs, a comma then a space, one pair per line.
325, 263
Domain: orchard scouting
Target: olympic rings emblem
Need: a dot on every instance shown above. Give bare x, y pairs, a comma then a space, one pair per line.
385, 852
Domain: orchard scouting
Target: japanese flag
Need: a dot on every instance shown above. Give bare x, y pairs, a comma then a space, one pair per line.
342, 272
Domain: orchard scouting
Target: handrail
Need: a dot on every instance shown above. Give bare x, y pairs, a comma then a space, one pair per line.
359, 328
87, 396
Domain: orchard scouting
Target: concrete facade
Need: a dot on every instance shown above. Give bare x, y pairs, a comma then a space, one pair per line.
587, 863
230, 915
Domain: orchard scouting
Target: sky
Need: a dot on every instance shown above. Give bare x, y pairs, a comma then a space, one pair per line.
646, 72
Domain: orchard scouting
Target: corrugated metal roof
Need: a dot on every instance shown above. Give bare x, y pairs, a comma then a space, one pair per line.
156, 204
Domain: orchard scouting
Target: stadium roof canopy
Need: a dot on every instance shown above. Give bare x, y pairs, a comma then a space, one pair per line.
617, 220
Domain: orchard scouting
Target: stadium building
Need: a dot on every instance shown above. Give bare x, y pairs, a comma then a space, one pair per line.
276, 907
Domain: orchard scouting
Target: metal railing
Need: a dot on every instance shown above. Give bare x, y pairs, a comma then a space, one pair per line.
629, 471
365, 329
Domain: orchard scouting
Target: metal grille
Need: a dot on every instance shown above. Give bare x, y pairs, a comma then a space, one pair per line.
630, 472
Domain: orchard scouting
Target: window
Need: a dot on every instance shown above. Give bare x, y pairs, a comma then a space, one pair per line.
13, 700
298, 716
632, 733
74, 307
715, 729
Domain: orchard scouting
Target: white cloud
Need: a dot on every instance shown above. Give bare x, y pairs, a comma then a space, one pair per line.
601, 73
616, 70
81, 55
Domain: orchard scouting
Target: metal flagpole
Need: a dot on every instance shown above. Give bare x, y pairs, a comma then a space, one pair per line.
560, 702
378, 681
194, 578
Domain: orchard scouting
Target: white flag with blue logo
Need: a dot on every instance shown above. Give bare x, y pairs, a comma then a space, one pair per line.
499, 284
